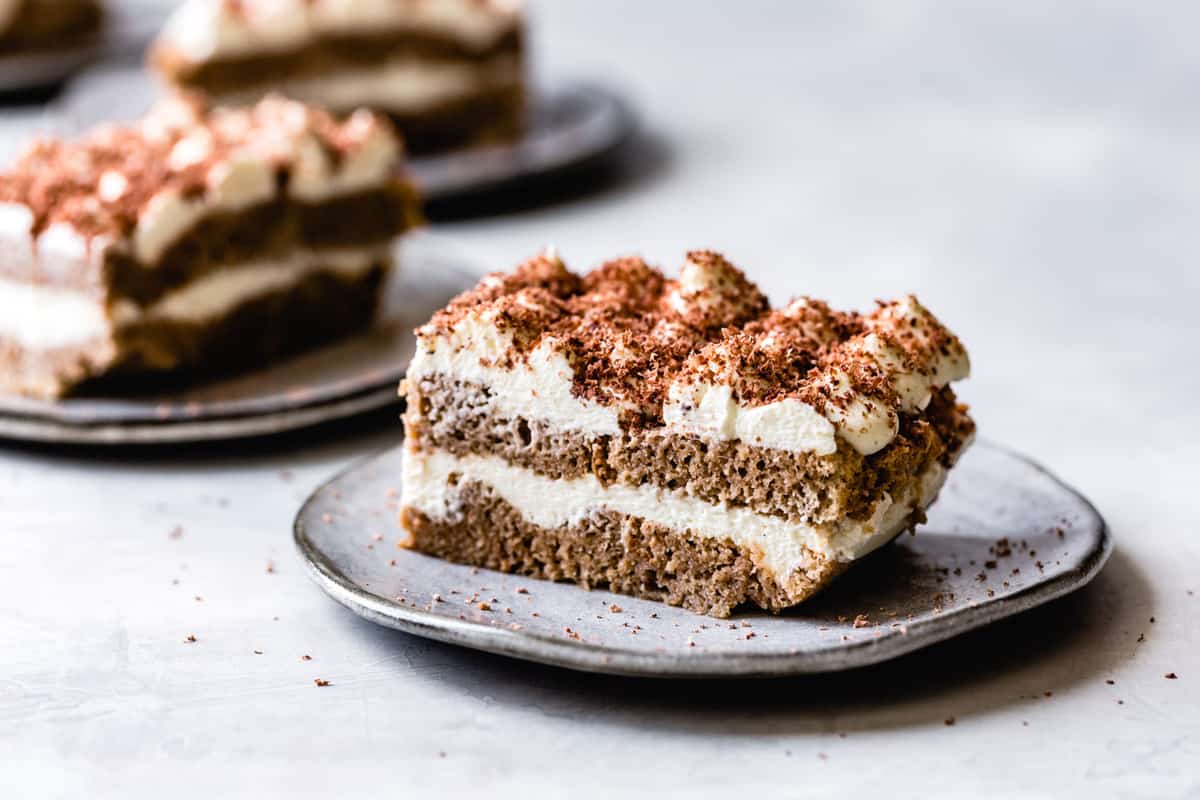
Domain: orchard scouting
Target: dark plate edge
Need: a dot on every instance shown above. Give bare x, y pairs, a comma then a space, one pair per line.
26, 429
586, 657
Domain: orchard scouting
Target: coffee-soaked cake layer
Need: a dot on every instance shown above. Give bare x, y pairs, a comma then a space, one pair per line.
30, 26
613, 551
448, 72
323, 306
176, 223
799, 487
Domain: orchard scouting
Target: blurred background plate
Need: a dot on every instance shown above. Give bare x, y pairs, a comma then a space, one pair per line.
575, 124
22, 72
351, 377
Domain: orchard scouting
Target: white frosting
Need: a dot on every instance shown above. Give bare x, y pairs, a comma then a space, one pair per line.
401, 86
369, 165
473, 352
218, 293
865, 423
778, 546
39, 317
200, 30
707, 410
16, 241
541, 387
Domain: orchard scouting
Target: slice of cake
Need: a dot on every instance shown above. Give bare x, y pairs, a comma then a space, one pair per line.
194, 242
674, 439
36, 26
448, 72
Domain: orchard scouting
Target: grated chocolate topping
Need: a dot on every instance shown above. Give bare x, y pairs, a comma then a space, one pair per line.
629, 333
100, 183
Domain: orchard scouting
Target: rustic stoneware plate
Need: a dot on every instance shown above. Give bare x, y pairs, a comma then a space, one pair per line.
573, 124
351, 377
1005, 536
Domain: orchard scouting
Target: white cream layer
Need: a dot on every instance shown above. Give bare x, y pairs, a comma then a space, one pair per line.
40, 317
780, 547
49, 317
401, 87
207, 29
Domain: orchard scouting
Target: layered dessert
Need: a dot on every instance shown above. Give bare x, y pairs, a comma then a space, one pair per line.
448, 72
674, 439
194, 242
35, 26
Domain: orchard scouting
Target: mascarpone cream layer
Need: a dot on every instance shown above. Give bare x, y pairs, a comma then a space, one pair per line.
49, 317
779, 547
40, 317
401, 86
201, 30
866, 423
540, 387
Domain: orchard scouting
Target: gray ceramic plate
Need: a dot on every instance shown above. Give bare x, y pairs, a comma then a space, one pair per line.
358, 375
956, 574
574, 123
26, 71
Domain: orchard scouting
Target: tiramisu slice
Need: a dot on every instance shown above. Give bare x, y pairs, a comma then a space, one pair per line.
448, 72
35, 26
194, 242
674, 439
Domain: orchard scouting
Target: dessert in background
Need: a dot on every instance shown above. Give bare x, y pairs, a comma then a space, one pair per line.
33, 26
194, 242
448, 72
677, 440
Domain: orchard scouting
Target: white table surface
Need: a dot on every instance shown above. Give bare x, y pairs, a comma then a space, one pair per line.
1029, 169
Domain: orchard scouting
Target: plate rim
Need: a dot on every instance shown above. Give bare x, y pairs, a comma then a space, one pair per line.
39, 430
615, 660
42, 68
